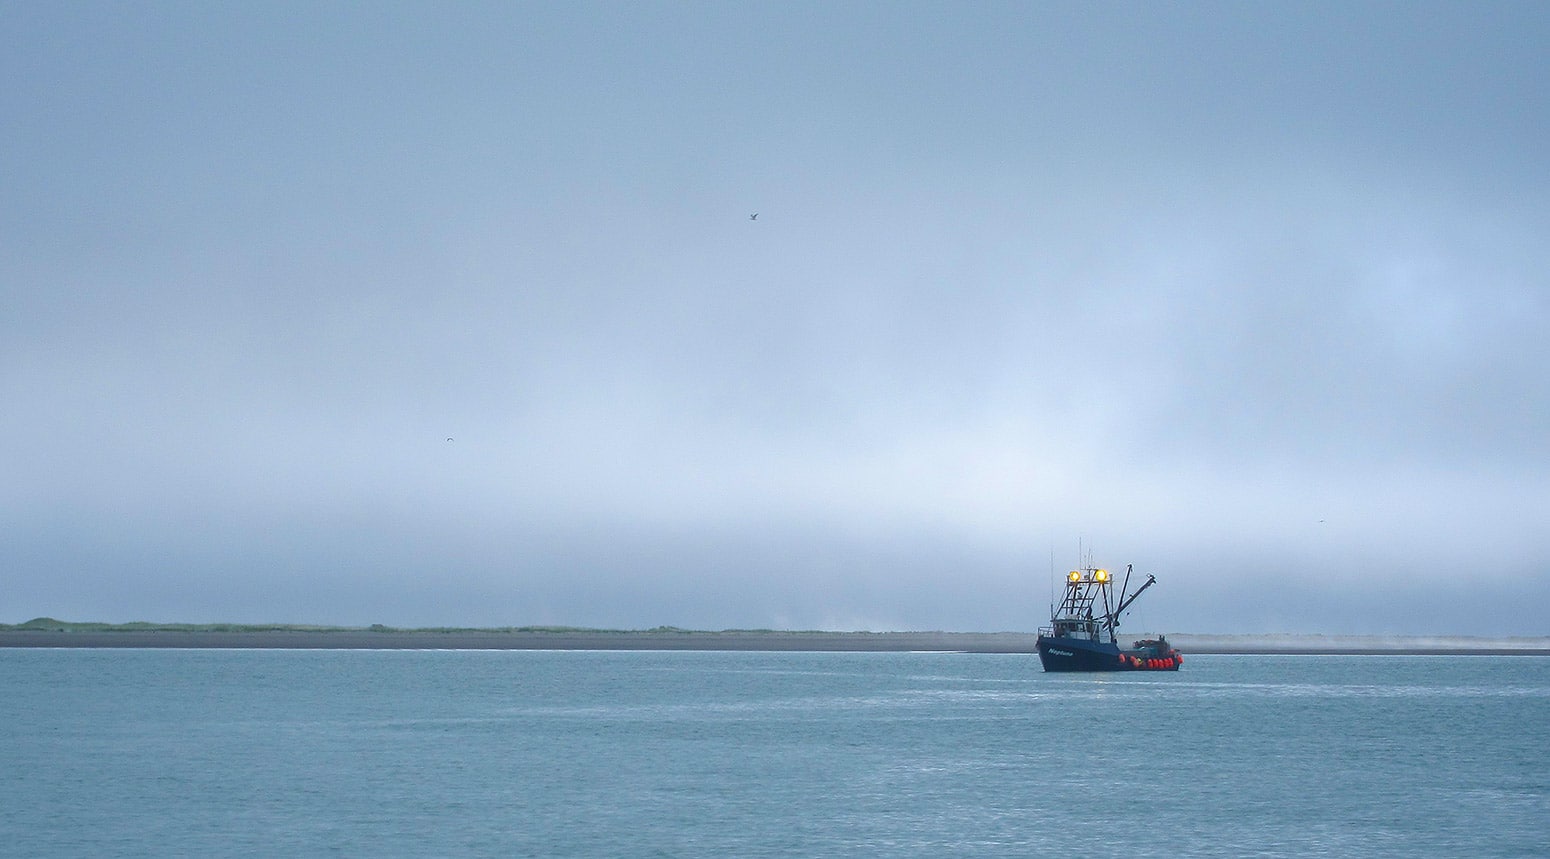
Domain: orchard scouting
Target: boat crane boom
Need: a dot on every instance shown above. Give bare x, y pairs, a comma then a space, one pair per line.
1125, 603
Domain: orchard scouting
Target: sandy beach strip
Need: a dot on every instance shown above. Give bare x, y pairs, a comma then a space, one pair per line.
1362, 645
837, 642
759, 640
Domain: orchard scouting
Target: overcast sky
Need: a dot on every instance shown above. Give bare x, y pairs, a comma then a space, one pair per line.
444, 314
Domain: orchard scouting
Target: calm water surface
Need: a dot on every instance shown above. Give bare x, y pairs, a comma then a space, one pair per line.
510, 753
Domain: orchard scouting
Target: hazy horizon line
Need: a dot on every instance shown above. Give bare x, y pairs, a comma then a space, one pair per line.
51, 624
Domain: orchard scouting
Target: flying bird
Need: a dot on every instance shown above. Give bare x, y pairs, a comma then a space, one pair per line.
754, 216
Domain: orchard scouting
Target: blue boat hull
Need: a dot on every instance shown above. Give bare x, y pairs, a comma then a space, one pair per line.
1080, 654
1075, 654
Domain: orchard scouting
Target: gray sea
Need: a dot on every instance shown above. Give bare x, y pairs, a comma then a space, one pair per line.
130, 753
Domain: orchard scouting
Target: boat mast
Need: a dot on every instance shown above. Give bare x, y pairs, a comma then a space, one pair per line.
1108, 614
1114, 618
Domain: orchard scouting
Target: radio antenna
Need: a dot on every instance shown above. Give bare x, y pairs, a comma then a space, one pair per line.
1052, 576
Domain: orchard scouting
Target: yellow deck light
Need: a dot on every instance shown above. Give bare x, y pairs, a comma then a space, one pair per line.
1074, 577
1101, 575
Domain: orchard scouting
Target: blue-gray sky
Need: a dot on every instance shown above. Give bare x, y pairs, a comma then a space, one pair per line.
1253, 296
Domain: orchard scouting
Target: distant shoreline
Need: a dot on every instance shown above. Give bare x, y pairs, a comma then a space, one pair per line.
313, 638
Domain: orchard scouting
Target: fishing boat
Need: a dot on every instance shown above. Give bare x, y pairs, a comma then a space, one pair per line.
1082, 635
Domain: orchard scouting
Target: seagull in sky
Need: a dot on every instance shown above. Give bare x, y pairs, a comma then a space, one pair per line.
754, 216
